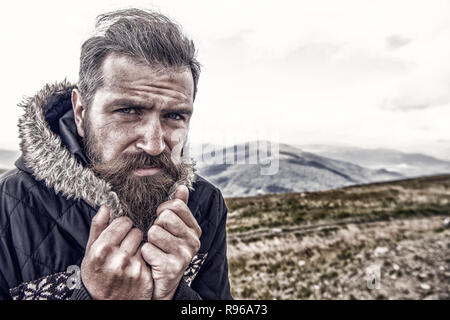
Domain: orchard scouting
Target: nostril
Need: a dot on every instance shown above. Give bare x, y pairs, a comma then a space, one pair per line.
151, 147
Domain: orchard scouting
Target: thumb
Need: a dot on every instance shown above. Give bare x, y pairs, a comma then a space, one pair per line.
182, 193
99, 223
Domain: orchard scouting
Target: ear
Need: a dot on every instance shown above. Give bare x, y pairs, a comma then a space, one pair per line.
78, 110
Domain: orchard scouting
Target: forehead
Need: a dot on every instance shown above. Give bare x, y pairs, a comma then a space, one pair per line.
125, 75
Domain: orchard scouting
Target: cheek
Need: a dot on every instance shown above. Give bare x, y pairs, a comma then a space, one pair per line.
114, 139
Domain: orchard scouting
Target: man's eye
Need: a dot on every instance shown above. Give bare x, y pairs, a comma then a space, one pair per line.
127, 110
175, 116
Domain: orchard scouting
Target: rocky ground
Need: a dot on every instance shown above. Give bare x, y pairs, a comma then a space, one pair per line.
396, 259
377, 241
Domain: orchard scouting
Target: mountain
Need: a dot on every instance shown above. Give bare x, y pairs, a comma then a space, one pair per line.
407, 164
294, 170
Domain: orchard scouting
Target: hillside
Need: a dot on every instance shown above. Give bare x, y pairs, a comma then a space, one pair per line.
297, 171
322, 244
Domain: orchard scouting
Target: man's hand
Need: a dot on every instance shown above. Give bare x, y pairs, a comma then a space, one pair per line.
113, 267
173, 240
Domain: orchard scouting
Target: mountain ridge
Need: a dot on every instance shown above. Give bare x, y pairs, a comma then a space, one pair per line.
298, 171
408, 164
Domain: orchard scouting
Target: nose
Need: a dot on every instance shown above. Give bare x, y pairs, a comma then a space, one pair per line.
151, 138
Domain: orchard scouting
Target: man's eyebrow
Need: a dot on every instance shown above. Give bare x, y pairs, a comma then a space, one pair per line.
180, 110
128, 103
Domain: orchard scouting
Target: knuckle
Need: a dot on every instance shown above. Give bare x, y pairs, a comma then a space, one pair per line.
197, 244
178, 203
138, 232
154, 232
123, 257
125, 221
145, 252
135, 262
120, 260
193, 241
135, 269
145, 247
164, 218
167, 215
186, 256
151, 233
100, 251
95, 221
172, 221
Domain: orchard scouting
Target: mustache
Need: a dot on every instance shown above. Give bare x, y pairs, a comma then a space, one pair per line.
128, 162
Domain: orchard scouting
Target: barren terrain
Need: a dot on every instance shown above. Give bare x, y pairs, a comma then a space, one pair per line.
377, 241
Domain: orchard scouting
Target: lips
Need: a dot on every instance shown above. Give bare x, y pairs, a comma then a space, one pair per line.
146, 171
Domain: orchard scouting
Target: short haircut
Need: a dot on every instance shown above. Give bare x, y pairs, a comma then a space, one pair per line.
144, 35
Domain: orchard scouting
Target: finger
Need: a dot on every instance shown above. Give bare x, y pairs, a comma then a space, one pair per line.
182, 211
182, 193
163, 239
146, 268
116, 231
152, 254
138, 253
98, 224
132, 241
169, 221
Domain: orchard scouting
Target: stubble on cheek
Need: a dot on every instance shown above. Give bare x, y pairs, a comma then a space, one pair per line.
103, 141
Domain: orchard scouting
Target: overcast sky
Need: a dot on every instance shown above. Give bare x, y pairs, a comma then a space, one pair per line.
363, 73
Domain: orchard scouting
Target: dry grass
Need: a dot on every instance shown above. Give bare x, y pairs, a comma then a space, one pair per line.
406, 240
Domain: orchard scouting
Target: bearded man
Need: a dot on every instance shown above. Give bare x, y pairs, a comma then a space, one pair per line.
104, 202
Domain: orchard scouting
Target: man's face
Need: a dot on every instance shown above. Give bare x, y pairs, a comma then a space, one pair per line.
140, 110
134, 131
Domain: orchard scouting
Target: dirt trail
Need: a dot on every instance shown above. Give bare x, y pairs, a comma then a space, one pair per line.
298, 230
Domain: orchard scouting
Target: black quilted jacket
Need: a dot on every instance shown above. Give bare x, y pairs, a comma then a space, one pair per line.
48, 201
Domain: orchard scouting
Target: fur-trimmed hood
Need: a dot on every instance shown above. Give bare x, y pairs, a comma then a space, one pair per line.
52, 151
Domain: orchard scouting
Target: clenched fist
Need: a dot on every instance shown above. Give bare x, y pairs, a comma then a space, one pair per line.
173, 241
113, 267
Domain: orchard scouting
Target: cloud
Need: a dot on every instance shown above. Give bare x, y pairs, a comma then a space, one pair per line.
397, 41
406, 107
427, 84
412, 100
419, 90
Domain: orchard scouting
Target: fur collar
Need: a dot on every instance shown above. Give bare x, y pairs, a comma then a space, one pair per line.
51, 162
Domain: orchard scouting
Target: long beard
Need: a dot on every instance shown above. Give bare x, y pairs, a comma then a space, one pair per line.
140, 196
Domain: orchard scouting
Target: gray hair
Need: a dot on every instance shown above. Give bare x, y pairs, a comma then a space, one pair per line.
144, 35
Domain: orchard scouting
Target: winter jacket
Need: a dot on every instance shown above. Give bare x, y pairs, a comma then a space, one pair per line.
48, 201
